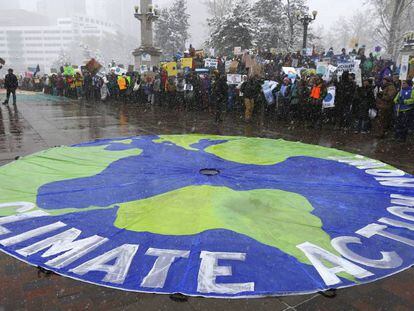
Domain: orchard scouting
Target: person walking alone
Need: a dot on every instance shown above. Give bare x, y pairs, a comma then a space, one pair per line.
11, 83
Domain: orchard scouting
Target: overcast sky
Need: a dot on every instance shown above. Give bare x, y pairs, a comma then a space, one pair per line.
329, 12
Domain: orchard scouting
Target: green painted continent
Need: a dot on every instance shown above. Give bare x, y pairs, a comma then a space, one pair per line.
273, 217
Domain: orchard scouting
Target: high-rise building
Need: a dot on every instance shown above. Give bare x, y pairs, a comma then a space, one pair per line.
23, 44
58, 9
9, 5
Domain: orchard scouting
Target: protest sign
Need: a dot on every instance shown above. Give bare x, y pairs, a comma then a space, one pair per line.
188, 87
290, 72
201, 70
187, 62
234, 79
295, 62
349, 66
93, 66
321, 68
200, 53
211, 63
404, 67
273, 51
237, 50
118, 70
329, 100
227, 65
171, 69
267, 88
212, 52
69, 71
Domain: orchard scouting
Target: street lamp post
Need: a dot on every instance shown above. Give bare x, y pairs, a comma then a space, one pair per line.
306, 19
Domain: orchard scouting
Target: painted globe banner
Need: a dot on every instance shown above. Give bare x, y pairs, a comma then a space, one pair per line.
208, 216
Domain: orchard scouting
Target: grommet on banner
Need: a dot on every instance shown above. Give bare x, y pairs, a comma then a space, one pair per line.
330, 293
42, 271
178, 298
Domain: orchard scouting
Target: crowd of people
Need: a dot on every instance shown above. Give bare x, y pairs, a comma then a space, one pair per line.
370, 98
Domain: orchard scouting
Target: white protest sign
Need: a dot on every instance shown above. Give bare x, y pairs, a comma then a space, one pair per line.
358, 73
212, 52
350, 67
329, 100
295, 62
404, 67
228, 64
234, 79
290, 72
237, 50
321, 68
267, 89
210, 63
188, 87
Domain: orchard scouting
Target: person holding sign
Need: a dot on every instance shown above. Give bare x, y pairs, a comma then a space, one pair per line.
404, 110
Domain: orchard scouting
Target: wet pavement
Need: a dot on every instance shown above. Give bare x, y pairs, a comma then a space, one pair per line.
40, 122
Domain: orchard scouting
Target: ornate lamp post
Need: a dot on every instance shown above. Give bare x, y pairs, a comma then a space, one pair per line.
146, 54
306, 19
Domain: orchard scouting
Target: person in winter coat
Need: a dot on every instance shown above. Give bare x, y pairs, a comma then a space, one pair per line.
317, 94
364, 101
283, 98
10, 84
220, 94
346, 89
385, 104
250, 90
404, 110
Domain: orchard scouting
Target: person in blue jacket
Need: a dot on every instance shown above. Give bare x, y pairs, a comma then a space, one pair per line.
404, 110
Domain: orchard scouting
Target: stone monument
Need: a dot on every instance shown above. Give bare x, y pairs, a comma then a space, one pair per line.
146, 54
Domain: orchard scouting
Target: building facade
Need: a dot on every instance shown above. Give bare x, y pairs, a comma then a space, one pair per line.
28, 46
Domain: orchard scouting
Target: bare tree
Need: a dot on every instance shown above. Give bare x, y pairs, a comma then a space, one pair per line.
394, 17
218, 8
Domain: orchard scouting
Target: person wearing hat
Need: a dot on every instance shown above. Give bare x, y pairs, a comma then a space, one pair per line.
404, 110
385, 104
11, 84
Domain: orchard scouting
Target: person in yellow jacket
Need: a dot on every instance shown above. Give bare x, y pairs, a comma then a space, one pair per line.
79, 85
123, 85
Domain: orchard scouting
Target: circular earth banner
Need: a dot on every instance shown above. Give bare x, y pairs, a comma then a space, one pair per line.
208, 215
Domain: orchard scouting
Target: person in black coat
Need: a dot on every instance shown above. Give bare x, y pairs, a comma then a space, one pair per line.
10, 83
364, 101
220, 93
